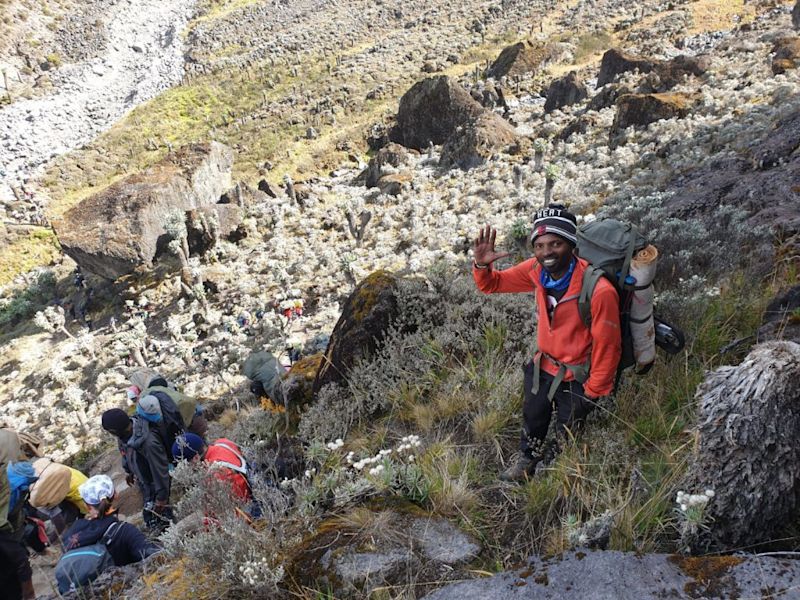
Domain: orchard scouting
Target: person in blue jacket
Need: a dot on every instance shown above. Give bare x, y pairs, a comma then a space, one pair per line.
127, 544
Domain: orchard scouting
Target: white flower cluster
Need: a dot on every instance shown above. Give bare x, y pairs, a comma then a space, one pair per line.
256, 573
686, 502
409, 442
333, 446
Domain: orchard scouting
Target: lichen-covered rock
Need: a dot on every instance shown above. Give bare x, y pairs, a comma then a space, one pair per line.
521, 58
474, 142
123, 227
786, 55
615, 62
749, 417
366, 316
431, 110
442, 541
565, 91
643, 109
595, 575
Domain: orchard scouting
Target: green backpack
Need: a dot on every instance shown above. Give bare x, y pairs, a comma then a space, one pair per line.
609, 246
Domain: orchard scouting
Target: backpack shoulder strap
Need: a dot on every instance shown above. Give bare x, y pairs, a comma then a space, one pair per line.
590, 278
109, 534
239, 469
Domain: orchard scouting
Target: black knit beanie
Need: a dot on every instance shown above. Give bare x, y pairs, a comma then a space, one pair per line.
555, 219
115, 419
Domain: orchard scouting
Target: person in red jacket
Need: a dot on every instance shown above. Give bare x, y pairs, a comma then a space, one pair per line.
223, 456
572, 365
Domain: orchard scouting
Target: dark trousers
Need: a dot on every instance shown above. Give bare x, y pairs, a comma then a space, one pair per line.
571, 409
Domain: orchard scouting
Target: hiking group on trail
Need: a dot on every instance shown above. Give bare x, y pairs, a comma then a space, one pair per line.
81, 511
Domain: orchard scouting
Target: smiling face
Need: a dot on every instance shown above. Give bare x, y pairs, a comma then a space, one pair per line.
554, 253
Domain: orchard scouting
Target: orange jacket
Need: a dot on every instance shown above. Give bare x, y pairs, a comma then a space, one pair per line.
220, 454
566, 338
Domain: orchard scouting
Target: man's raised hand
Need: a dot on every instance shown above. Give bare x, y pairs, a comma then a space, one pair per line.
483, 248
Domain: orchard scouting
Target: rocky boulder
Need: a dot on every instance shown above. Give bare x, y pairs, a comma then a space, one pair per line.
392, 156
521, 58
615, 62
782, 317
796, 15
366, 316
608, 96
786, 55
471, 144
431, 110
392, 184
123, 227
666, 75
595, 575
642, 109
746, 450
565, 91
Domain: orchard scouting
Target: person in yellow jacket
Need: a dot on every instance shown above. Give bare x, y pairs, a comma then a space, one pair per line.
55, 494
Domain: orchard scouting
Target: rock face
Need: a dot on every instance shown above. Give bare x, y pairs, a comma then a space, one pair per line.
746, 451
643, 109
796, 15
588, 575
431, 111
564, 92
520, 58
365, 318
781, 320
765, 185
471, 144
615, 62
786, 55
122, 227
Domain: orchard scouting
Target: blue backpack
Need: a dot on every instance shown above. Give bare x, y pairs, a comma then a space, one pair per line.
82, 565
20, 477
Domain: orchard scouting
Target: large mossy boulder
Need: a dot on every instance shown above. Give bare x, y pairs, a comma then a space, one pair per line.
123, 227
521, 58
747, 451
365, 319
639, 110
431, 110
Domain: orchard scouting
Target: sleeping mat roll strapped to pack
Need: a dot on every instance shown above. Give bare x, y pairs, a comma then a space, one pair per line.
643, 331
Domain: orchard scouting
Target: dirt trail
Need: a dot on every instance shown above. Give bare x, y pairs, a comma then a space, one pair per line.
144, 56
